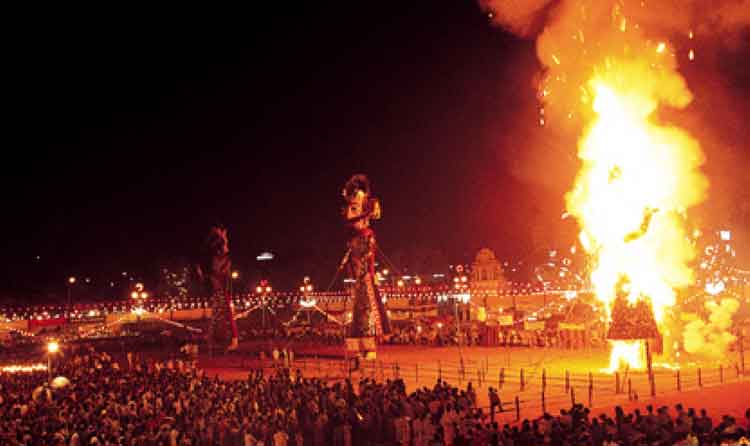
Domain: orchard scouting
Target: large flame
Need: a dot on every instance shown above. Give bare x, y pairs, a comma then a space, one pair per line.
631, 195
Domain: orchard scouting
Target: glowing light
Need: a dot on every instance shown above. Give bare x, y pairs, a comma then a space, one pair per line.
661, 47
235, 274
400, 283
725, 235
258, 289
18, 368
625, 354
139, 286
715, 288
71, 280
144, 295
268, 289
264, 256
134, 295
691, 54
53, 347
308, 303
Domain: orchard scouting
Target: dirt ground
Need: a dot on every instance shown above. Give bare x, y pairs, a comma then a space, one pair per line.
564, 375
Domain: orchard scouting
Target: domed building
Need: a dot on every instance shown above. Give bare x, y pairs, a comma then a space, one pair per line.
486, 271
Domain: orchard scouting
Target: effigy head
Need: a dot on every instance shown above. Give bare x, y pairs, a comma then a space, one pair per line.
359, 205
217, 240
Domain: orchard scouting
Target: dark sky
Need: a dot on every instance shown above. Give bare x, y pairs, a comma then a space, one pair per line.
134, 130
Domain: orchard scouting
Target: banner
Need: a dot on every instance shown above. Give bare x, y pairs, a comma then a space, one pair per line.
36, 325
570, 326
533, 325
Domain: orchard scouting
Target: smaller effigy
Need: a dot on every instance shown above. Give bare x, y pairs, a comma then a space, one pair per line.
214, 272
369, 318
632, 322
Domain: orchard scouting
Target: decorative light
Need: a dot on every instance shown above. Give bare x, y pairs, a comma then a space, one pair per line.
71, 280
18, 368
53, 347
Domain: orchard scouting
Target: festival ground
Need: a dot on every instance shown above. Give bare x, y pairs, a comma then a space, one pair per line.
522, 373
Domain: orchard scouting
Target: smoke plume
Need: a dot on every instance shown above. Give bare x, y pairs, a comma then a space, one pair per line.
706, 41
711, 338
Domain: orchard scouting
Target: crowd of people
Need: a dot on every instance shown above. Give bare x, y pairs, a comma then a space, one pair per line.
135, 401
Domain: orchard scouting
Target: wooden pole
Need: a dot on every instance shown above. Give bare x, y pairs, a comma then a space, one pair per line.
567, 381
721, 373
572, 396
679, 381
544, 380
501, 378
518, 409
416, 373
591, 390
741, 340
700, 378
630, 389
617, 383
650, 369
523, 385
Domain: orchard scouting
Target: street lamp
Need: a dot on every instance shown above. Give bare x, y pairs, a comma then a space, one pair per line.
234, 276
71, 281
52, 348
263, 290
306, 288
139, 296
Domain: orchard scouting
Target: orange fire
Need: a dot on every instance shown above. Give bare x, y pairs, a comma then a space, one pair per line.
637, 181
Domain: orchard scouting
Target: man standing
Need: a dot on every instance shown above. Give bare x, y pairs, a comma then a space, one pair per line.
495, 403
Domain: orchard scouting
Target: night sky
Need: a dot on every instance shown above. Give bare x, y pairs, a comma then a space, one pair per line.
133, 131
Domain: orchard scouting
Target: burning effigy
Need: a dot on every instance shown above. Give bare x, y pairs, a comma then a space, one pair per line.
609, 67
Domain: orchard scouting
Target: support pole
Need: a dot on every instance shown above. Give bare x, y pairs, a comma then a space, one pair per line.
650, 369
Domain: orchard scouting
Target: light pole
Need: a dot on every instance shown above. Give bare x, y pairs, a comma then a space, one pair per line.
306, 288
139, 296
52, 348
263, 290
460, 284
234, 276
71, 281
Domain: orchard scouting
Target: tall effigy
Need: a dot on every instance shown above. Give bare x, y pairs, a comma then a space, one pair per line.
369, 318
216, 267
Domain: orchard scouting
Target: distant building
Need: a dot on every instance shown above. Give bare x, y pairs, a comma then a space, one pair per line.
486, 271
